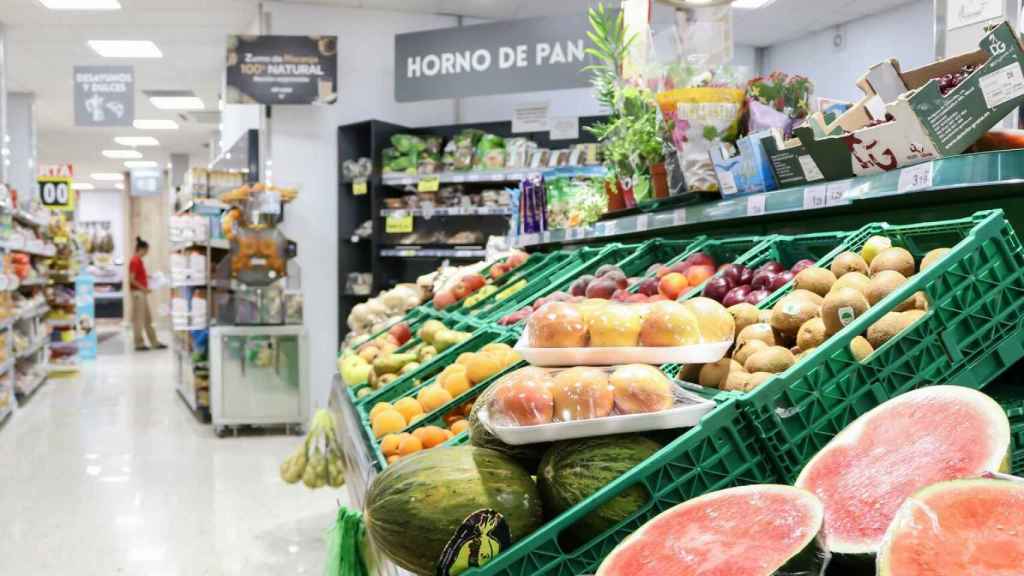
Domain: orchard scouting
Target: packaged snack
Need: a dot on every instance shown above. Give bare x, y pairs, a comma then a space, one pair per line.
534, 405
490, 153
701, 117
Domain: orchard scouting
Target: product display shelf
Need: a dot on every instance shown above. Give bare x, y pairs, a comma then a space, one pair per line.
529, 277
1008, 390
983, 175
972, 332
446, 211
420, 252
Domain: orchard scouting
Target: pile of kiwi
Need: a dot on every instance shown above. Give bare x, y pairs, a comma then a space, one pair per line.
822, 302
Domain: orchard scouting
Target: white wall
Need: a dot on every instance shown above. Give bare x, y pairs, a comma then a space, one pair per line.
903, 33
104, 206
304, 149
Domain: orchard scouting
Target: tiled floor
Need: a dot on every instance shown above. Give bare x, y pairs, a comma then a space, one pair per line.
108, 473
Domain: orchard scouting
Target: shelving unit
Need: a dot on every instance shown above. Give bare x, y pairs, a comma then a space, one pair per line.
26, 372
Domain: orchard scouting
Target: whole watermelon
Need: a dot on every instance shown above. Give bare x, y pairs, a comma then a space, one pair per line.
528, 455
415, 506
573, 470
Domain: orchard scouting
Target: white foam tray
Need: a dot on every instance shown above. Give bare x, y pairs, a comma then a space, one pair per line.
608, 356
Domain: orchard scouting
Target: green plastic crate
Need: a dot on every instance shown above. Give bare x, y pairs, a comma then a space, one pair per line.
537, 278
535, 265
971, 333
1008, 390
720, 452
414, 318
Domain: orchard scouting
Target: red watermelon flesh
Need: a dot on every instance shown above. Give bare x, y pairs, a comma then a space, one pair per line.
746, 531
919, 438
963, 527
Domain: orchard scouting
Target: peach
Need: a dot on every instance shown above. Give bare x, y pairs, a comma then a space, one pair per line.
483, 365
640, 388
669, 323
430, 436
696, 275
389, 444
409, 445
616, 325
454, 379
524, 401
459, 426
433, 397
582, 393
557, 325
387, 422
672, 285
409, 408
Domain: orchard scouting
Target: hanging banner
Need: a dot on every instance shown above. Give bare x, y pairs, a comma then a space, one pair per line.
282, 70
104, 95
500, 58
85, 315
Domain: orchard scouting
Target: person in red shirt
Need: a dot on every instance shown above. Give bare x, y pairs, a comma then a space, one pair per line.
142, 318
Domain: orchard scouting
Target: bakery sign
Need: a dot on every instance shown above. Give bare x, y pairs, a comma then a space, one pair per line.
498, 58
282, 70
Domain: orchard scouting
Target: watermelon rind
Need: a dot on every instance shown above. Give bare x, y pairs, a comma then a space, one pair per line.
904, 520
573, 470
862, 553
415, 505
809, 559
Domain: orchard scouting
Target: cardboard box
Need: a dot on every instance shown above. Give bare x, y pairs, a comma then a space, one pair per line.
746, 170
918, 123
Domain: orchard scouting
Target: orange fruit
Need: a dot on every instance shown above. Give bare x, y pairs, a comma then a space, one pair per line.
387, 422
378, 407
431, 436
484, 365
409, 408
409, 445
464, 358
449, 434
496, 347
394, 458
389, 444
454, 379
433, 397
459, 426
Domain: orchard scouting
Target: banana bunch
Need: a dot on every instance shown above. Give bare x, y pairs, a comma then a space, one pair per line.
318, 461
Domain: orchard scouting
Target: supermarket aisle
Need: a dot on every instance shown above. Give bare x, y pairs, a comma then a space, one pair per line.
109, 474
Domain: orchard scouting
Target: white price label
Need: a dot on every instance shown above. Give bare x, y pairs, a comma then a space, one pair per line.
528, 239
837, 193
1002, 85
574, 233
810, 169
727, 182
679, 217
459, 178
475, 177
610, 227
755, 205
815, 197
427, 210
643, 222
916, 177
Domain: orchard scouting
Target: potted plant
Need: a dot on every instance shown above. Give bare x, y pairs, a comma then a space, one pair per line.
631, 137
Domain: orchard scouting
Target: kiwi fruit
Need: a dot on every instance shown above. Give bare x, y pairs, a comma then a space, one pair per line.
741, 354
713, 375
790, 313
689, 372
855, 280
758, 378
811, 334
804, 353
842, 307
744, 315
920, 301
716, 324
888, 326
736, 382
848, 262
775, 359
884, 283
808, 295
861, 348
764, 316
759, 331
932, 257
817, 280
895, 258
911, 316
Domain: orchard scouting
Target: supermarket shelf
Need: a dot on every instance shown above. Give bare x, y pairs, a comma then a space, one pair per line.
37, 281
34, 348
205, 206
415, 252
218, 243
52, 368
482, 176
6, 366
8, 409
32, 386
34, 312
29, 219
109, 295
452, 211
188, 283
995, 172
47, 250
7, 323
64, 345
61, 323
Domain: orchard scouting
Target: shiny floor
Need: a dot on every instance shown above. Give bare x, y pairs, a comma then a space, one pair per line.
108, 473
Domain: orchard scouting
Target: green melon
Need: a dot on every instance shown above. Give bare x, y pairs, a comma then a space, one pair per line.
528, 455
415, 506
574, 470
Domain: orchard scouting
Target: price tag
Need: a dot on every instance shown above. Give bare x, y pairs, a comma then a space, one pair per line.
837, 193
679, 217
475, 177
528, 239
755, 205
429, 184
359, 187
916, 177
458, 178
610, 227
643, 221
573, 233
516, 177
399, 222
55, 192
815, 197
427, 209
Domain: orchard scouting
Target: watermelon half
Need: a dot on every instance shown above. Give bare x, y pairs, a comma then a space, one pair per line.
757, 530
922, 437
958, 527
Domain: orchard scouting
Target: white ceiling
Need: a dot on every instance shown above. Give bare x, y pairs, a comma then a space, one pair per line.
43, 46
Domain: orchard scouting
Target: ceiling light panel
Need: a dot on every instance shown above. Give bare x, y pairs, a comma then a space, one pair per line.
155, 124
177, 102
82, 186
107, 176
751, 4
81, 5
140, 164
136, 141
125, 48
122, 154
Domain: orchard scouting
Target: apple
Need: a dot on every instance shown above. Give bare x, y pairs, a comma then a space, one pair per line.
672, 285
680, 267
800, 265
460, 291
648, 287
443, 299
618, 277
662, 271
717, 288
474, 282
499, 270
601, 288
698, 273
762, 278
653, 268
620, 295
606, 268
735, 296
516, 259
771, 266
746, 275
755, 296
579, 287
780, 280
701, 259
401, 332
637, 298
730, 271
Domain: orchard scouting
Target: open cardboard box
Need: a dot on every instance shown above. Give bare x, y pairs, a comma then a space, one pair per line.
925, 124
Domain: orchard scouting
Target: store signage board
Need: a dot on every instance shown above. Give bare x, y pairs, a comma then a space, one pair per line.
961, 13
275, 70
531, 117
498, 58
565, 128
104, 95
55, 192
146, 182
